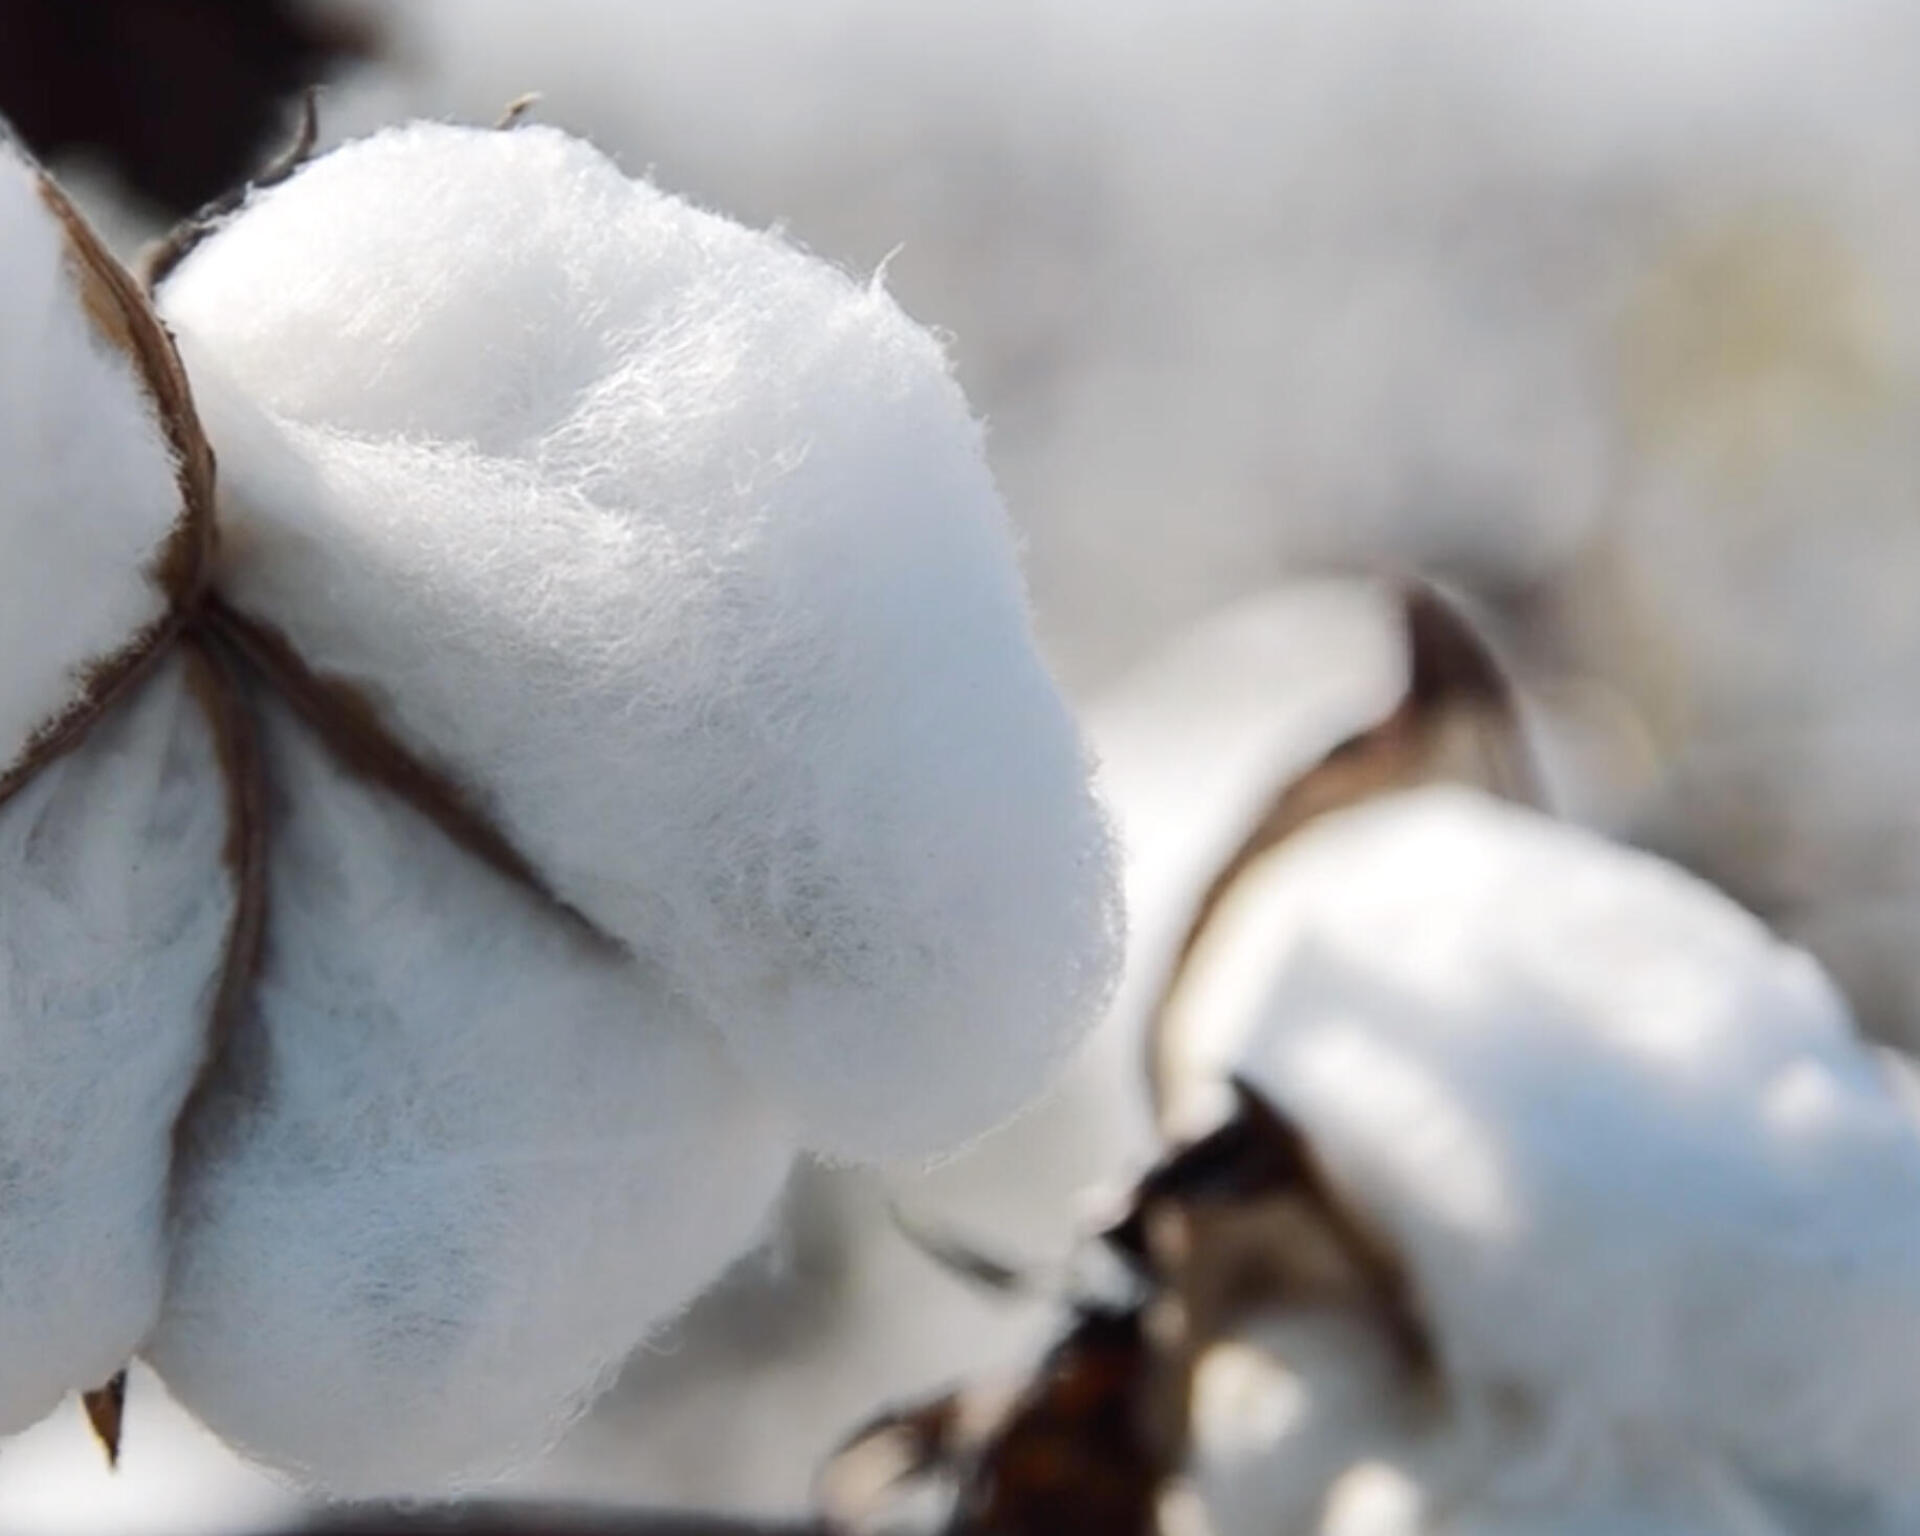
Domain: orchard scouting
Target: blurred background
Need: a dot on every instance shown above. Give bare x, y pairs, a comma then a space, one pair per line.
1605, 312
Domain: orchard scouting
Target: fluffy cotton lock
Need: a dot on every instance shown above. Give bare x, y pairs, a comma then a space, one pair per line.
91, 500
677, 547
117, 904
456, 1165
1638, 1167
112, 935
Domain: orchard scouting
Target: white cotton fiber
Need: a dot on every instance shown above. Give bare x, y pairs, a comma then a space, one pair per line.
678, 547
88, 494
455, 1168
1638, 1167
113, 924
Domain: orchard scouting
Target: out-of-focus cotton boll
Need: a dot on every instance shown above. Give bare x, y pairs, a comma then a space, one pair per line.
112, 932
89, 498
1309, 1421
1637, 1166
678, 546
457, 1166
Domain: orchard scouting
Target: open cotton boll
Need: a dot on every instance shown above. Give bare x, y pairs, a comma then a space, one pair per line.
112, 933
1635, 1162
679, 548
89, 498
455, 1168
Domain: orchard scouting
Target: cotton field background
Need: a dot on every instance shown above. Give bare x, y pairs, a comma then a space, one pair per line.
1592, 326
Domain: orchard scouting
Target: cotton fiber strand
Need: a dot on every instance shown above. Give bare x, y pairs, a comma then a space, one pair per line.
457, 1166
88, 494
112, 933
1636, 1162
678, 546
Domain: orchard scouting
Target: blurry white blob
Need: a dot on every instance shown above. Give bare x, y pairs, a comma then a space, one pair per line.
1646, 1185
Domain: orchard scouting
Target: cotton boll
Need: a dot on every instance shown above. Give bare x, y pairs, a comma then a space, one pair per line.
455, 1167
112, 935
1634, 1160
90, 502
679, 548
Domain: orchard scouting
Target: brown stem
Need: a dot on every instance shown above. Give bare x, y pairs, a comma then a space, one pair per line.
158, 261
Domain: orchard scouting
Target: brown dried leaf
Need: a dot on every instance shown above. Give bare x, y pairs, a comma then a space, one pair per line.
106, 1409
1245, 1220
1071, 1449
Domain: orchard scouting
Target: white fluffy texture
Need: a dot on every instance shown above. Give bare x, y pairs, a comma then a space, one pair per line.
1640, 1170
456, 1168
112, 931
705, 586
87, 489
